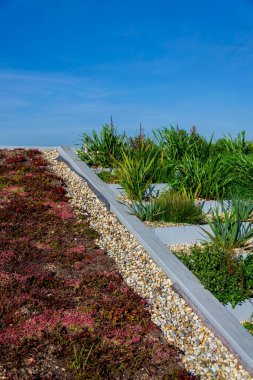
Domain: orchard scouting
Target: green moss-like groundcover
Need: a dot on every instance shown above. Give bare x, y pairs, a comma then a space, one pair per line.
228, 277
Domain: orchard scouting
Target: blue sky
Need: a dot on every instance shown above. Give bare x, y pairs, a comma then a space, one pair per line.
67, 65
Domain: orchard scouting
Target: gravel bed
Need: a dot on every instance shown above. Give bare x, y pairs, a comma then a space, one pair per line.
187, 248
204, 354
164, 224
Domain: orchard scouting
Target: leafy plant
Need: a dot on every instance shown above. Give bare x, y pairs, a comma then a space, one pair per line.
178, 143
169, 207
228, 229
141, 146
243, 206
139, 142
248, 269
147, 210
240, 169
198, 179
221, 274
100, 150
236, 145
135, 174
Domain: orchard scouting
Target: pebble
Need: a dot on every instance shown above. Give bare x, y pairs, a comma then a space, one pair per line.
203, 353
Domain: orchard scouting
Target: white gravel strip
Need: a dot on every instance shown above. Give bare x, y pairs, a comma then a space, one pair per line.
204, 354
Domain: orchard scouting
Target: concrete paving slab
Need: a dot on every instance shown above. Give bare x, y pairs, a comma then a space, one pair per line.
119, 191
181, 234
242, 312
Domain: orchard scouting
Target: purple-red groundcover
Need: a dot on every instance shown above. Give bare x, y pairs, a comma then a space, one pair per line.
65, 311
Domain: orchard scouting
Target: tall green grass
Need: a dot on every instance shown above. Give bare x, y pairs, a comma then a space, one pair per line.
240, 169
178, 143
139, 168
192, 165
169, 207
101, 149
135, 174
228, 144
201, 179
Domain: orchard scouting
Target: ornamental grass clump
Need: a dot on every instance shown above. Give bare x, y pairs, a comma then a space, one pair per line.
228, 226
229, 145
143, 148
201, 179
240, 169
101, 150
179, 208
142, 163
178, 143
169, 207
134, 173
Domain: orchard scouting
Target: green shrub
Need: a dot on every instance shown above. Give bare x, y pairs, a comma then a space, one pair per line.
107, 176
229, 230
169, 207
100, 150
228, 278
248, 269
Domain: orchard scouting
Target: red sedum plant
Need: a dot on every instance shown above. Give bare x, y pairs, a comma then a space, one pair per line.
66, 312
